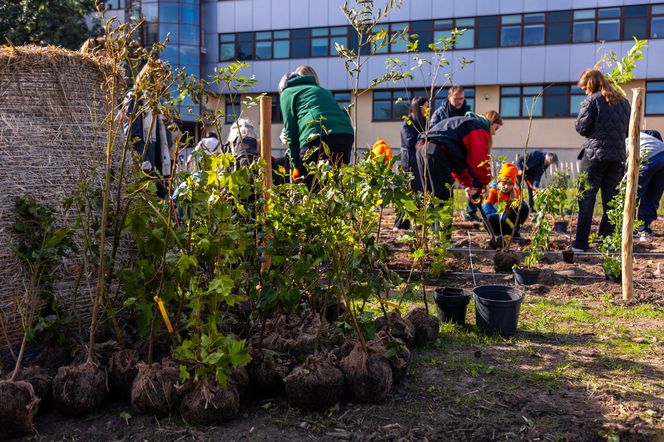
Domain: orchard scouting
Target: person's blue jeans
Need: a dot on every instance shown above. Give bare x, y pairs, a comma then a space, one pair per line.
651, 188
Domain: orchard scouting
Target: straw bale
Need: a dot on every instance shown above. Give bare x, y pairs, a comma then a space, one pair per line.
52, 136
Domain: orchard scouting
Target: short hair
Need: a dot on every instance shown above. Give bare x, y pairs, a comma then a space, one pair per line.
455, 88
306, 70
653, 133
493, 117
551, 157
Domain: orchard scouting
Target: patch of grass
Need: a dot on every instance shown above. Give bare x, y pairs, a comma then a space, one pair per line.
641, 311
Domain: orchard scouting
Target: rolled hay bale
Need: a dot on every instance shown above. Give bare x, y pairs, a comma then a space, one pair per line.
54, 106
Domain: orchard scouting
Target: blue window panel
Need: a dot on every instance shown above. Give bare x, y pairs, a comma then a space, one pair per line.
382, 111
510, 106
342, 40
189, 34
189, 14
608, 30
170, 55
575, 104
510, 19
189, 55
609, 13
657, 27
655, 103
400, 109
533, 34
583, 32
319, 47
226, 51
466, 40
150, 11
168, 12
532, 104
281, 49
165, 29
655, 86
510, 36
263, 50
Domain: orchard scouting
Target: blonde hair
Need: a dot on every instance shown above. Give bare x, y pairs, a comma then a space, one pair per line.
594, 80
305, 70
493, 117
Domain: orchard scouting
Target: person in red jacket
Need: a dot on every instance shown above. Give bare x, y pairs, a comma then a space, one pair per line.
458, 149
501, 204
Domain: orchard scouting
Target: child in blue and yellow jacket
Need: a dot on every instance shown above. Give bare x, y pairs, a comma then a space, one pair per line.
501, 204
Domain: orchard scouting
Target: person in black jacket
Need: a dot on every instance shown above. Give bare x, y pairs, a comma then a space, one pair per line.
458, 149
412, 127
603, 120
454, 106
536, 164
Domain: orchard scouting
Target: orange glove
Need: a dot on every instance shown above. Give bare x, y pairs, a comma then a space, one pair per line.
295, 175
381, 149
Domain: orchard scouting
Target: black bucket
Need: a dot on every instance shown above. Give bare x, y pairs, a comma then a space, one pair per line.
568, 256
525, 276
560, 226
613, 278
497, 309
451, 304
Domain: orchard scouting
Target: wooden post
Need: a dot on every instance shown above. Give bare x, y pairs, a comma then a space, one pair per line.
630, 193
266, 155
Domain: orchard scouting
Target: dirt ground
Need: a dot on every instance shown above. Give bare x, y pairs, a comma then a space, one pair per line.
584, 365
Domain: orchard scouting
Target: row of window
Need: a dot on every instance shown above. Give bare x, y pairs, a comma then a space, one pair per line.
553, 27
515, 102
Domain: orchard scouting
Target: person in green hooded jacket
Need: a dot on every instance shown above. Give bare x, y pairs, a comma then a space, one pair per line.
312, 117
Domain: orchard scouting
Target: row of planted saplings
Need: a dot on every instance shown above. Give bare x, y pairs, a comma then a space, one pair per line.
335, 367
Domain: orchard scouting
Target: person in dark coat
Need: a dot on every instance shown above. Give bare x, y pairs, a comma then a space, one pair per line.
536, 163
150, 136
412, 127
454, 106
603, 120
458, 149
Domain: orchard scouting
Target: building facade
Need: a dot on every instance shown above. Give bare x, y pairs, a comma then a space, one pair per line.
518, 48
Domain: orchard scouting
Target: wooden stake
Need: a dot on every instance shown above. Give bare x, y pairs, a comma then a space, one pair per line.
266, 155
630, 193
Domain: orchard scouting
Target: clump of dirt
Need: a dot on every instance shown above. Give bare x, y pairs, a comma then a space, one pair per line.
505, 260
296, 334
398, 355
268, 369
427, 327
121, 373
52, 357
18, 406
206, 402
154, 391
79, 389
315, 385
41, 380
368, 374
399, 327
240, 377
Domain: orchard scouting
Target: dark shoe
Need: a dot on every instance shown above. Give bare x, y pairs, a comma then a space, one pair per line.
471, 217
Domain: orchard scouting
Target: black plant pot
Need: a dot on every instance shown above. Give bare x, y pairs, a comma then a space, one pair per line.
525, 276
451, 303
568, 256
560, 226
497, 309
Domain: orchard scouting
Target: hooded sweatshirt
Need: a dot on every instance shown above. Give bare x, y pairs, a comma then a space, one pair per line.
303, 105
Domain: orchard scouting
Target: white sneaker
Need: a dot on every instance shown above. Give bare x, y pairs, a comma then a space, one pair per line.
643, 236
577, 250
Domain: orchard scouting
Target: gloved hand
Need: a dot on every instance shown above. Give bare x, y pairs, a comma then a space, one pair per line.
295, 175
283, 137
146, 166
474, 195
